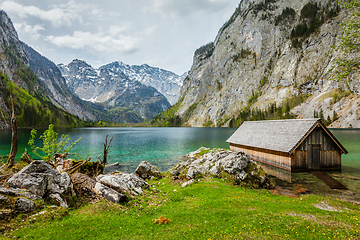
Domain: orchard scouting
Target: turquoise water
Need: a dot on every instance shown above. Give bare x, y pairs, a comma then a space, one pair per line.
165, 146
160, 146
350, 139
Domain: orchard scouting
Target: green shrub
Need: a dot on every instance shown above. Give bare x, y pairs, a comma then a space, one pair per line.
51, 143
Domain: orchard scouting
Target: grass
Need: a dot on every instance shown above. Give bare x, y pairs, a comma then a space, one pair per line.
210, 209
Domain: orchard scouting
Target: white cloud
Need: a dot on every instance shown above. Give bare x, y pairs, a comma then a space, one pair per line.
115, 30
58, 15
32, 31
99, 42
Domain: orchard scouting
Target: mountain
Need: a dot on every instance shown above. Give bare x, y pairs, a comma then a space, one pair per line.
58, 91
110, 86
270, 60
30, 95
166, 82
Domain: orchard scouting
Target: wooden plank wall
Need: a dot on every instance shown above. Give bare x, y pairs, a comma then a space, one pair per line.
273, 158
330, 157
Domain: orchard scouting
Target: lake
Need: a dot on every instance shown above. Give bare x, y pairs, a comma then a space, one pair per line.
164, 147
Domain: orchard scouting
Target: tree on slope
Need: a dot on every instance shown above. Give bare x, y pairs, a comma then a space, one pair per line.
349, 44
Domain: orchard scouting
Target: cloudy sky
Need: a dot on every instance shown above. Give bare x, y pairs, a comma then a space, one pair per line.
161, 33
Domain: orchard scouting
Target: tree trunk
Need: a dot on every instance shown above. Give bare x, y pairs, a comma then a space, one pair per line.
14, 138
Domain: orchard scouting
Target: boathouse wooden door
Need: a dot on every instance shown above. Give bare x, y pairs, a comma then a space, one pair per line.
314, 156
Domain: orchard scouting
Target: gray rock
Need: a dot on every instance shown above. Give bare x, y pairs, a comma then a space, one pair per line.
24, 205
18, 192
235, 163
36, 183
185, 184
240, 175
109, 194
175, 174
59, 200
124, 182
192, 173
146, 170
215, 170
39, 177
109, 168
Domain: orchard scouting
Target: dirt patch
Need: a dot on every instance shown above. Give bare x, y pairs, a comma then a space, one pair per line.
325, 206
294, 192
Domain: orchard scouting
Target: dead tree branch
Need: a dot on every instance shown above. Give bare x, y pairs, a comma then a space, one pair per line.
106, 150
14, 139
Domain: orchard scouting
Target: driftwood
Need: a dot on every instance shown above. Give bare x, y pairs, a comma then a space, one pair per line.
5, 177
106, 150
76, 167
26, 157
14, 138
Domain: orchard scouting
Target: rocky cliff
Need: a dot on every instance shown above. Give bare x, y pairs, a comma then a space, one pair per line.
271, 56
32, 104
58, 91
110, 86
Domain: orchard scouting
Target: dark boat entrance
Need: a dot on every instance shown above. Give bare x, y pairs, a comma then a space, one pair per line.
314, 156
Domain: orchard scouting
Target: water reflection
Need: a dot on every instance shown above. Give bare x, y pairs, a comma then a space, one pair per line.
277, 172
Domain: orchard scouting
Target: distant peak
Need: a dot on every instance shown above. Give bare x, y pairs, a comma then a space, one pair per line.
79, 62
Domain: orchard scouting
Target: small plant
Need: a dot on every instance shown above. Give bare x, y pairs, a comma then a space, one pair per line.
51, 143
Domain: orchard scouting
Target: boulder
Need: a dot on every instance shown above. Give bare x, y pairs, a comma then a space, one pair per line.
36, 183
215, 170
18, 192
192, 172
235, 163
39, 177
59, 200
185, 184
109, 168
146, 170
124, 182
109, 194
215, 161
85, 184
24, 205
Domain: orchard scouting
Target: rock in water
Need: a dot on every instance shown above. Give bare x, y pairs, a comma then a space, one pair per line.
146, 170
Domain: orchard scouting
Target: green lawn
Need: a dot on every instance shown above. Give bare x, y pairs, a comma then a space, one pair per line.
210, 209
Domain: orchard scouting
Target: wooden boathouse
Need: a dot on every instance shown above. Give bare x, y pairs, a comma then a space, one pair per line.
294, 144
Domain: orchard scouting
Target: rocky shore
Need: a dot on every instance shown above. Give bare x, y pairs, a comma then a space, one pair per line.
40, 183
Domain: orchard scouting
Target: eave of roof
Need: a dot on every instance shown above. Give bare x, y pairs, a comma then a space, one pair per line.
278, 135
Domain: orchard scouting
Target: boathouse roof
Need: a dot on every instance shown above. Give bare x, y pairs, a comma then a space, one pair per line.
278, 135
